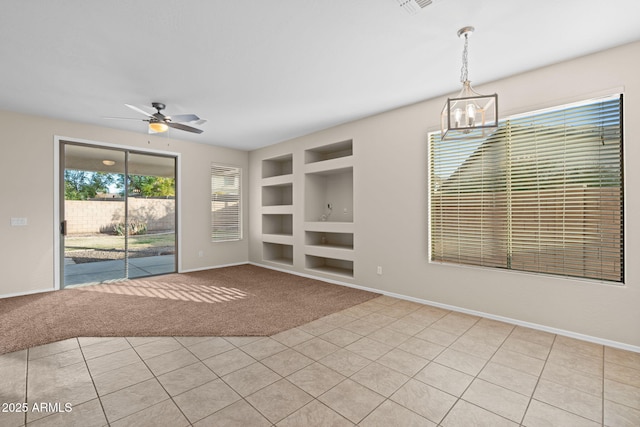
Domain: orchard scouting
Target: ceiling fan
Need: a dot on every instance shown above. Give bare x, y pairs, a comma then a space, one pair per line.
159, 122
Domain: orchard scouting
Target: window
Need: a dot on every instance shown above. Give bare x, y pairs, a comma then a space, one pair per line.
226, 218
543, 193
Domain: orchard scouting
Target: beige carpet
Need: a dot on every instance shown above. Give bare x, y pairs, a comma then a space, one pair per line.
231, 301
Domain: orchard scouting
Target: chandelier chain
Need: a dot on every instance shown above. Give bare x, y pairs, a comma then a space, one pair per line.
464, 71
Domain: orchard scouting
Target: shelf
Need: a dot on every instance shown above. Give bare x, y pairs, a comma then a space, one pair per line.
277, 253
277, 180
329, 226
330, 167
330, 251
277, 166
328, 152
277, 210
329, 265
281, 239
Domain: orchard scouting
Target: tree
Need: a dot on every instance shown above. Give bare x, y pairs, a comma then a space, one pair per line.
83, 185
150, 186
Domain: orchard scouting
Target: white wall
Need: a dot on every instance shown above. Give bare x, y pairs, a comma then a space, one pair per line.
390, 206
27, 190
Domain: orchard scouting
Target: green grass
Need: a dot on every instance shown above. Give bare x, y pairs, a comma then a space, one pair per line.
106, 242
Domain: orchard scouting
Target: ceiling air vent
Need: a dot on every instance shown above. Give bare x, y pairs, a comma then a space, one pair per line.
414, 6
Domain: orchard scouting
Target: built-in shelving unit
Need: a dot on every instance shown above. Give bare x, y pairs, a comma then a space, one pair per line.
277, 209
328, 213
321, 239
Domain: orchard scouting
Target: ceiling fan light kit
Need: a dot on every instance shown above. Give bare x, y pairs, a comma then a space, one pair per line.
158, 127
158, 122
469, 110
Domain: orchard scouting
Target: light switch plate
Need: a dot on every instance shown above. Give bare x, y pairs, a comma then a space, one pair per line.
18, 222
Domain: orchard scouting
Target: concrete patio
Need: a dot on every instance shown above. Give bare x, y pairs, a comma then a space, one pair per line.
105, 271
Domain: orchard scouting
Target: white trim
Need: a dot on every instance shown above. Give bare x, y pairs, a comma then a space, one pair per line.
191, 270
20, 294
570, 334
57, 139
178, 222
56, 214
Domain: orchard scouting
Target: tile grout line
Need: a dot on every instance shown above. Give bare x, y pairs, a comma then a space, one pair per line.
26, 384
84, 359
218, 377
243, 398
410, 377
159, 382
538, 380
566, 386
314, 398
555, 343
459, 398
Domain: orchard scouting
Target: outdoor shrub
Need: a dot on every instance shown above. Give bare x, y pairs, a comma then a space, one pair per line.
135, 228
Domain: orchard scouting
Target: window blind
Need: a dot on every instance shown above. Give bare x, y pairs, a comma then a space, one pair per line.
543, 193
226, 218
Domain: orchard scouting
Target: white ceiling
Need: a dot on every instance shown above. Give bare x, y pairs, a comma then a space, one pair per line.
265, 71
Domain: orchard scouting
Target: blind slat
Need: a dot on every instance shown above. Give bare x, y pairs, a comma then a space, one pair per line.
226, 218
543, 193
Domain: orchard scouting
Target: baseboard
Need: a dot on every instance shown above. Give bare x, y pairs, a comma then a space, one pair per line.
19, 294
557, 331
191, 270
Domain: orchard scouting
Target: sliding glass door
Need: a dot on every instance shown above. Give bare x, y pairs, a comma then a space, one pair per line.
118, 213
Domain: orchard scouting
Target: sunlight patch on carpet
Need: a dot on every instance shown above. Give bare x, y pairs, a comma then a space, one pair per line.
172, 291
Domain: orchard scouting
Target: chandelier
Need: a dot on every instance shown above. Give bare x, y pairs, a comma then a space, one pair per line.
469, 110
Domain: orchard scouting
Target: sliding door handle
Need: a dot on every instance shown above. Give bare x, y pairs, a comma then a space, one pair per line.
63, 227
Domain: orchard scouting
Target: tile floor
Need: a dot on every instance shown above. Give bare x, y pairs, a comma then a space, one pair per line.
385, 362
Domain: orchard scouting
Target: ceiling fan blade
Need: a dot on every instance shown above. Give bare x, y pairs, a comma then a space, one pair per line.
183, 127
123, 118
183, 118
139, 110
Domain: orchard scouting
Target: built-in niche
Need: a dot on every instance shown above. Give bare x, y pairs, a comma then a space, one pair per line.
329, 239
329, 152
277, 166
277, 224
277, 195
329, 265
279, 253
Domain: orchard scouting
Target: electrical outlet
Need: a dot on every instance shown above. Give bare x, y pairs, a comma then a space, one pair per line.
201, 254
379, 270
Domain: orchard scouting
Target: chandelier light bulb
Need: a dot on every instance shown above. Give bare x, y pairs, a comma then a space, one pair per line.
471, 114
457, 116
468, 111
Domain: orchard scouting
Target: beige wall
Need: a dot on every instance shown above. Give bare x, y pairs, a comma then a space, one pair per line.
390, 215
27, 173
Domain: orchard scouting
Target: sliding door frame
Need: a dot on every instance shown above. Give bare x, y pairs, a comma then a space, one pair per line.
58, 142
